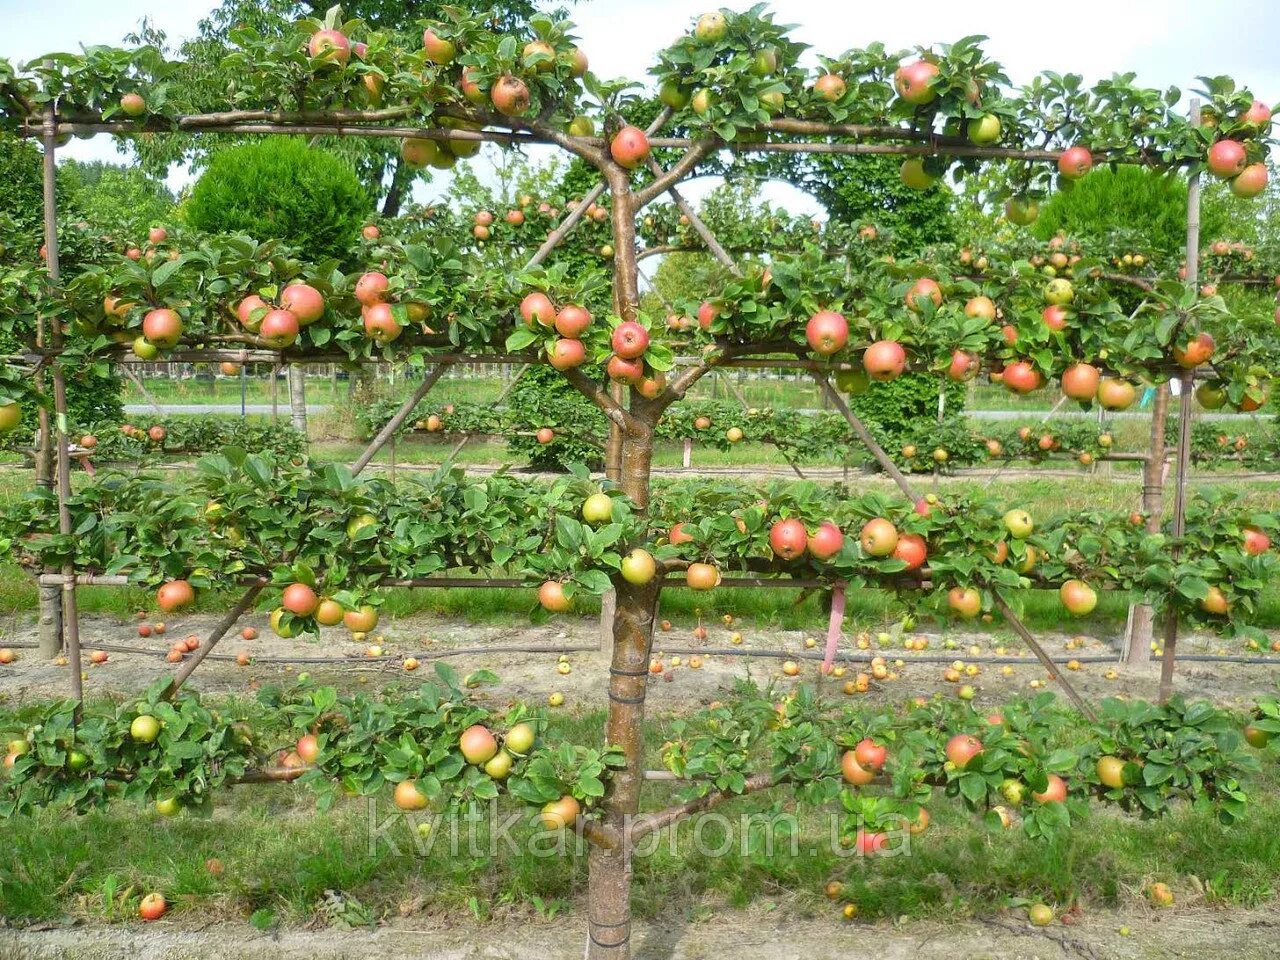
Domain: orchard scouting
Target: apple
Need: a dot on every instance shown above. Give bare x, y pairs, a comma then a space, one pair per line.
1255, 541
304, 301
331, 46
1055, 317
308, 748
830, 87
1116, 394
702, 576
510, 96
380, 324
1021, 377
520, 739
884, 360
1257, 116
625, 371
514, 217
639, 567
408, 797
438, 49
1080, 381
279, 328
1078, 597
566, 354
961, 749
1111, 772
924, 289
133, 105
144, 728
827, 332
1040, 914
1197, 351
826, 541
597, 509
707, 312
630, 340
789, 539
678, 536
545, 435
328, 613
914, 174
711, 27
629, 147
911, 549
562, 813
1055, 792
1255, 736
1059, 292
300, 600
361, 620
854, 772
478, 745
1021, 210
1215, 602
152, 907
537, 307
371, 287
174, 595
1227, 158
572, 321
551, 596
964, 601
162, 327
1251, 181
419, 152
983, 307
870, 754
1019, 524
1075, 162
913, 81
879, 537
964, 366
985, 130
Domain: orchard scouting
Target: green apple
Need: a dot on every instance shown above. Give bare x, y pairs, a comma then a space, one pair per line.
639, 567
1018, 523
984, 130
520, 738
168, 807
499, 766
144, 729
1059, 292
598, 508
358, 523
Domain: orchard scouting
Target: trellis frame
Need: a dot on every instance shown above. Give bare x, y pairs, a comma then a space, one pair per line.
632, 426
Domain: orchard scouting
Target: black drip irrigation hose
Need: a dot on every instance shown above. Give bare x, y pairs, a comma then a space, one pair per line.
693, 651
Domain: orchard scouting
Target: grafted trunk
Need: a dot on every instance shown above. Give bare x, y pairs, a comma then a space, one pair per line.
298, 397
1142, 626
609, 883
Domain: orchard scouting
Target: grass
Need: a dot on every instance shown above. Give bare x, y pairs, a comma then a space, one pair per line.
281, 857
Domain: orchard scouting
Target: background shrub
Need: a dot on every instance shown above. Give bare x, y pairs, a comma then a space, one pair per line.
280, 188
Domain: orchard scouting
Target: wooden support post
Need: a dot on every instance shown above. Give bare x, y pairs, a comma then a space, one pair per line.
392, 425
1054, 673
687, 459
1138, 637
865, 436
218, 632
58, 436
1184, 422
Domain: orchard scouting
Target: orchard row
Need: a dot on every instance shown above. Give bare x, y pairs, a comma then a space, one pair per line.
329, 541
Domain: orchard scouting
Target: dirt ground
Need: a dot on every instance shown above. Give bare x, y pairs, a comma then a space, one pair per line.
533, 676
753, 935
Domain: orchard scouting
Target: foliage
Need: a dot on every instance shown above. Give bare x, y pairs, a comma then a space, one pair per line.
541, 399
117, 201
281, 189
1150, 206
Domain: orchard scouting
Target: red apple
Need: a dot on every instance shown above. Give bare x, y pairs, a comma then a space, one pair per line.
380, 323
572, 321
827, 332
884, 360
371, 287
1075, 162
912, 549
965, 601
1078, 597
162, 327
789, 539
175, 595
331, 46
1021, 377
1055, 792
624, 371
1251, 181
630, 340
826, 541
279, 328
1080, 381
869, 754
565, 354
961, 749
913, 81
537, 306
922, 289
303, 301
1055, 316
629, 147
510, 96
1227, 158
1255, 541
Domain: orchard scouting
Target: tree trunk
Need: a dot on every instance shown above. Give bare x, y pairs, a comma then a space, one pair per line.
609, 870
609, 879
298, 397
1142, 627
401, 177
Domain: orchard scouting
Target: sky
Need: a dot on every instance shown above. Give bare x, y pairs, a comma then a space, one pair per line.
1165, 42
